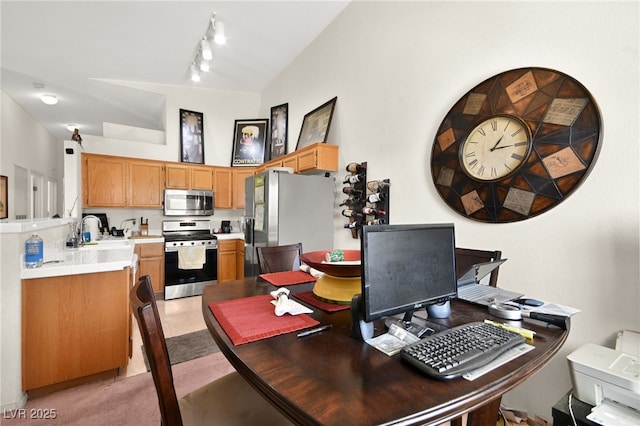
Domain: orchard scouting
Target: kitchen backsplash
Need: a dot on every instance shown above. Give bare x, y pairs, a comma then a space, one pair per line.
116, 218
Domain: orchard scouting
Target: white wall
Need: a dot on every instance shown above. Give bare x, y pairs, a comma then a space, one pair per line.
398, 67
219, 108
22, 136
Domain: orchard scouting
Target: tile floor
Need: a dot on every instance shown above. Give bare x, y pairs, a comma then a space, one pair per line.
178, 316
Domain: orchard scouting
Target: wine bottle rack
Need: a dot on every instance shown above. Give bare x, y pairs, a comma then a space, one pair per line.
367, 202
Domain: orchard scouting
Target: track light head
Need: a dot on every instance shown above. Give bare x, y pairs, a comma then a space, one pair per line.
195, 76
205, 49
218, 33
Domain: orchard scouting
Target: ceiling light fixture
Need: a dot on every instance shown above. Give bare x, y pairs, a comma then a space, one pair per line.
218, 34
49, 99
203, 53
72, 127
195, 76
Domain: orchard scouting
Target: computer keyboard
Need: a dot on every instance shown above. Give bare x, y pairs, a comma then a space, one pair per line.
451, 353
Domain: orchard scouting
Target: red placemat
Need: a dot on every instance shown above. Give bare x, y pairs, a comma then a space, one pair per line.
252, 318
310, 298
288, 278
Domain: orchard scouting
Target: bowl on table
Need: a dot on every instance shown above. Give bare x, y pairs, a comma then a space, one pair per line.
340, 281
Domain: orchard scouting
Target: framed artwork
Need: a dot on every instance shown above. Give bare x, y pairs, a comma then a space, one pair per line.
4, 197
315, 126
249, 141
279, 131
191, 137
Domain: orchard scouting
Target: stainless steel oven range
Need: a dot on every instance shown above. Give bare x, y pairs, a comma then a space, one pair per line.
190, 257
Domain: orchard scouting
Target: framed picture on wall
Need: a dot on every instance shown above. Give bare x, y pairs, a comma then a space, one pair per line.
249, 141
191, 137
279, 131
4, 197
315, 126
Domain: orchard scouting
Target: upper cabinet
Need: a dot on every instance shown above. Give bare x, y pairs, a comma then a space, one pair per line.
318, 157
222, 187
240, 174
146, 184
185, 176
103, 181
111, 181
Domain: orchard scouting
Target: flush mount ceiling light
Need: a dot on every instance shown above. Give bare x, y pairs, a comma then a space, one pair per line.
72, 127
203, 53
49, 99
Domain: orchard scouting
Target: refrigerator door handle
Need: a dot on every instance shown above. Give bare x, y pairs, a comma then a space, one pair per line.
248, 230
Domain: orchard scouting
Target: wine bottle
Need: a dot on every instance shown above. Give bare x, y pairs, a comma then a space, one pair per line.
350, 201
372, 211
354, 178
352, 213
356, 167
353, 225
377, 197
377, 185
352, 191
376, 222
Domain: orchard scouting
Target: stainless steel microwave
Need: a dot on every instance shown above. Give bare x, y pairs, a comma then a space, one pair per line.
181, 202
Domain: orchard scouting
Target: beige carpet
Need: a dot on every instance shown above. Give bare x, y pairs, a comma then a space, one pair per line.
123, 401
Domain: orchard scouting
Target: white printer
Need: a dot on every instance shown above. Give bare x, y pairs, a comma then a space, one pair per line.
608, 379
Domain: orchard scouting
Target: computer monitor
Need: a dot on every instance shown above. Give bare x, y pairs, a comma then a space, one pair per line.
406, 267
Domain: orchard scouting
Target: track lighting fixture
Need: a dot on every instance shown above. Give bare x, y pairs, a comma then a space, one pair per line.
203, 53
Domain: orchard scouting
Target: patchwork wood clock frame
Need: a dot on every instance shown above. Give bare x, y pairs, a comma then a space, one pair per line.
516, 145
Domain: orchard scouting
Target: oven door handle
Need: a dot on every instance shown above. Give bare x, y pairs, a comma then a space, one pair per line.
174, 249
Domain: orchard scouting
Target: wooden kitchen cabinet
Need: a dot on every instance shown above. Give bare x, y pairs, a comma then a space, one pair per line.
239, 259
319, 157
74, 326
146, 184
104, 181
176, 176
223, 187
151, 262
239, 176
228, 260
183, 176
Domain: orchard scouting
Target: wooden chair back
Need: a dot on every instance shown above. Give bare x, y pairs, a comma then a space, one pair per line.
465, 258
146, 312
279, 258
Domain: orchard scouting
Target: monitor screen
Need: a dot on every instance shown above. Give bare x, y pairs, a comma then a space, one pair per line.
406, 267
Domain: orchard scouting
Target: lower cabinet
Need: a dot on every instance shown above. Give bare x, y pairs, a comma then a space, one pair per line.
74, 326
230, 260
151, 262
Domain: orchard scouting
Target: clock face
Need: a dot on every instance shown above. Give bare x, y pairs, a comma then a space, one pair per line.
516, 145
495, 148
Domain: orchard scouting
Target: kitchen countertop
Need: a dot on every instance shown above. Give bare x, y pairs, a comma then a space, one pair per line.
85, 260
231, 236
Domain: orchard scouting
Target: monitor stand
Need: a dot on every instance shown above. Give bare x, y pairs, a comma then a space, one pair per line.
420, 329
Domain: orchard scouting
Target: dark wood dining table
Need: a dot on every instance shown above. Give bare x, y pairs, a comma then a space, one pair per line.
330, 378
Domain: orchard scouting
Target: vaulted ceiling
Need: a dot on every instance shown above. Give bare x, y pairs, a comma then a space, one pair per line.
77, 50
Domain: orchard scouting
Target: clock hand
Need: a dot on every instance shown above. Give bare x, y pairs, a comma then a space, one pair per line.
500, 147
494, 147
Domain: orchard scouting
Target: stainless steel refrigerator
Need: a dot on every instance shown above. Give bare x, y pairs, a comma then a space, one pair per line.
283, 208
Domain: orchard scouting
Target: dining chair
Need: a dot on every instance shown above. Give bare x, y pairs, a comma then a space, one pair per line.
279, 258
465, 258
229, 400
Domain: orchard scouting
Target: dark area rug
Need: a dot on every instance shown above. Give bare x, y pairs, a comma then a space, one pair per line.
187, 347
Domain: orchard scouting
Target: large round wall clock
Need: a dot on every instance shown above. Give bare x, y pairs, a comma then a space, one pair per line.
516, 145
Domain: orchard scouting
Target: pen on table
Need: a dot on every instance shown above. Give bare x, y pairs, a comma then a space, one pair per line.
314, 330
522, 331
